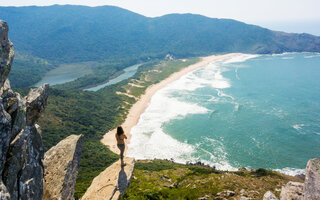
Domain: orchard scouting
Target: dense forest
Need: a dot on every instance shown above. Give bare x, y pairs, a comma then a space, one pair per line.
79, 33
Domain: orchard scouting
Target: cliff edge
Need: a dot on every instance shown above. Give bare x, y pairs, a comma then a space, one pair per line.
22, 168
21, 146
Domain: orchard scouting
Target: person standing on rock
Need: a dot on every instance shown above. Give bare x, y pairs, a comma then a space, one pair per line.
120, 136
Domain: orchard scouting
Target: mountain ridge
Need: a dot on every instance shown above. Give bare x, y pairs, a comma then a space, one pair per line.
80, 33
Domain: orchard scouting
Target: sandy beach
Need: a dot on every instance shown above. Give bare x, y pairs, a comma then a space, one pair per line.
138, 108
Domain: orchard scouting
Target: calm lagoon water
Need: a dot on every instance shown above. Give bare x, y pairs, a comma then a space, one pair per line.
246, 111
128, 72
70, 72
66, 73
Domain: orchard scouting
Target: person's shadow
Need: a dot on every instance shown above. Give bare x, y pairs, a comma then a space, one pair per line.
122, 181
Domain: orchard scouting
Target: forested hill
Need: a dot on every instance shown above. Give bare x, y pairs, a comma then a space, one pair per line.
79, 33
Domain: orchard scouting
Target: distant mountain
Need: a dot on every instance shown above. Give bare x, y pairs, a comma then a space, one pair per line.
79, 33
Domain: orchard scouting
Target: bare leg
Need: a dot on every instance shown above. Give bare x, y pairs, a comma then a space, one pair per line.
121, 155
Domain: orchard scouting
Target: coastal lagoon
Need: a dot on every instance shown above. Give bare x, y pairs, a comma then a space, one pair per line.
66, 73
246, 111
128, 72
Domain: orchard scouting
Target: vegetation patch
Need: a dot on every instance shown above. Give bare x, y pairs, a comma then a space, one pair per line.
156, 165
195, 181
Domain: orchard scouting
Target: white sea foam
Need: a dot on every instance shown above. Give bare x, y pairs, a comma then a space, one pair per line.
237, 75
211, 75
148, 137
218, 158
291, 171
287, 58
298, 126
236, 107
222, 94
149, 140
285, 53
240, 58
312, 56
309, 56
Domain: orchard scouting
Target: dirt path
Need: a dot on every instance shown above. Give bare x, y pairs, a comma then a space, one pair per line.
110, 183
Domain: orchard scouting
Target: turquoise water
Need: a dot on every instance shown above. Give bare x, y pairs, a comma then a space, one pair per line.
128, 72
248, 111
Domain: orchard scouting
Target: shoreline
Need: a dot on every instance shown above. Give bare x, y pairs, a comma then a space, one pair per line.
139, 107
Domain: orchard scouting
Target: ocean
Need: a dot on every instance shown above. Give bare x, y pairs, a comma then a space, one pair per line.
253, 111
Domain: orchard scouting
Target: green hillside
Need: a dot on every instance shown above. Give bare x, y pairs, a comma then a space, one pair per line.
79, 33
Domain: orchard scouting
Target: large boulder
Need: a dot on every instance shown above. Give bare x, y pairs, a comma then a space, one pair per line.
269, 196
35, 103
312, 180
292, 191
61, 164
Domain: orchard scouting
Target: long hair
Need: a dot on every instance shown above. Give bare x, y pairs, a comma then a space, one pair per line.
120, 130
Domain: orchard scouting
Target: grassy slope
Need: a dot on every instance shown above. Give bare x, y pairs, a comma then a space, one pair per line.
160, 179
94, 113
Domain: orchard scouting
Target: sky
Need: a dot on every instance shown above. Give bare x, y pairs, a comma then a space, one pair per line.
283, 15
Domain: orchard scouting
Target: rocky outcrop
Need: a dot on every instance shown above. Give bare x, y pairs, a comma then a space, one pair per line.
7, 52
21, 155
21, 148
292, 191
6, 58
310, 189
312, 180
112, 182
61, 165
269, 196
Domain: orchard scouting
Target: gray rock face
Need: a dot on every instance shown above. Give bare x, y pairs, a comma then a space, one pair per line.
24, 172
21, 148
292, 191
269, 196
61, 164
6, 53
312, 180
35, 103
